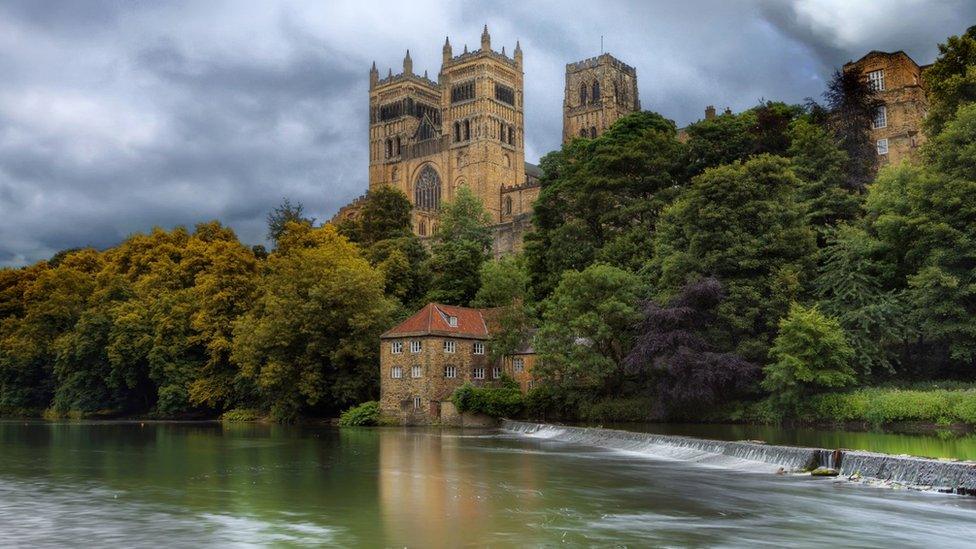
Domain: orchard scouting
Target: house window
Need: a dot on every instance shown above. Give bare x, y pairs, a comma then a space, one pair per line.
876, 80
518, 364
416, 346
452, 321
479, 372
416, 403
882, 146
450, 346
496, 372
396, 347
396, 372
450, 372
880, 118
415, 371
479, 348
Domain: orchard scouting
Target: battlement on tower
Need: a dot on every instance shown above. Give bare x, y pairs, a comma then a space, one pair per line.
603, 59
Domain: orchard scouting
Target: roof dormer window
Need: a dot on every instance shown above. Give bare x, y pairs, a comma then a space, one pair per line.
452, 321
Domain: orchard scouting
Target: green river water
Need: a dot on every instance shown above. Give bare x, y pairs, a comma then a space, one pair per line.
132, 484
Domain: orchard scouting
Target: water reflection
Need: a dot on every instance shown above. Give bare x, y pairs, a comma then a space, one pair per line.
179, 484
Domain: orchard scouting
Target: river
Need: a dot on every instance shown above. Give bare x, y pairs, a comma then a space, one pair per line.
206, 484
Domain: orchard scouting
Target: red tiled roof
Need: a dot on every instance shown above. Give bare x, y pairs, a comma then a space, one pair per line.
433, 320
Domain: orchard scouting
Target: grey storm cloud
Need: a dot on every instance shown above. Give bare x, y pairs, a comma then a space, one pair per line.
119, 116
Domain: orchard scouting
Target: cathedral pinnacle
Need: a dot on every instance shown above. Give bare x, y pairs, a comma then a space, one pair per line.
485, 39
447, 50
407, 64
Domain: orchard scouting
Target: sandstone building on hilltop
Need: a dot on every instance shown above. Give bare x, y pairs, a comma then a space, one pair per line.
897, 126
429, 355
599, 91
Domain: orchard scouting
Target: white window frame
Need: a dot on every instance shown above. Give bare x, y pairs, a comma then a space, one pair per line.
396, 372
416, 346
882, 145
479, 372
417, 403
881, 115
396, 347
479, 348
876, 80
416, 371
450, 372
496, 372
450, 346
518, 365
452, 321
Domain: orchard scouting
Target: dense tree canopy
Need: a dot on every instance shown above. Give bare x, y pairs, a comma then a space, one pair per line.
742, 224
951, 80
461, 244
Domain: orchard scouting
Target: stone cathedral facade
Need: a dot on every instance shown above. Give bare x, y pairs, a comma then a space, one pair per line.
429, 137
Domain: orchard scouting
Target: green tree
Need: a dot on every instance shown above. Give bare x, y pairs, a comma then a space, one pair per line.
820, 165
810, 354
461, 244
852, 288
310, 340
741, 224
601, 199
285, 213
852, 105
951, 80
503, 281
587, 328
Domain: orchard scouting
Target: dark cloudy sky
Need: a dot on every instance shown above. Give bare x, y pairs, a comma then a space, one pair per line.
118, 116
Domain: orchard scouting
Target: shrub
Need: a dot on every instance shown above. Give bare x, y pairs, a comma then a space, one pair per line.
617, 410
506, 401
241, 414
366, 414
811, 352
886, 405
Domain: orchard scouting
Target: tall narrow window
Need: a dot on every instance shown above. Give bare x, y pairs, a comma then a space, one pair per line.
518, 365
501, 131
396, 372
450, 372
396, 347
593, 132
457, 132
416, 346
389, 148
876, 80
880, 118
415, 371
427, 189
496, 372
882, 146
416, 403
511, 135
422, 229
508, 205
596, 92
467, 130
583, 93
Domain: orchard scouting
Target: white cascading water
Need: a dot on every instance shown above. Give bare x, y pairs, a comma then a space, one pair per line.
949, 476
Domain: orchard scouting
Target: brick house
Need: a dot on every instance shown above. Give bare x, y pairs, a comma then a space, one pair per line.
438, 349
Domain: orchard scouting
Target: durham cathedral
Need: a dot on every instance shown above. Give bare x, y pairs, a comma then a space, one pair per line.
428, 137
467, 128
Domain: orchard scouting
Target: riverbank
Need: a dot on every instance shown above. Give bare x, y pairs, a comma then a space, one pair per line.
947, 476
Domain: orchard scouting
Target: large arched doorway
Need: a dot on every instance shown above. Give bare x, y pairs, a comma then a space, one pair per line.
427, 189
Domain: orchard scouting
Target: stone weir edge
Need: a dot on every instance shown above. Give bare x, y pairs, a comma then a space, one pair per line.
957, 477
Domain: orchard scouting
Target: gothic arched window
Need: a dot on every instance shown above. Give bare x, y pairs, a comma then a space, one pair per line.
583, 132
467, 130
511, 135
422, 229
508, 205
596, 92
457, 132
427, 189
593, 131
583, 93
389, 148
398, 145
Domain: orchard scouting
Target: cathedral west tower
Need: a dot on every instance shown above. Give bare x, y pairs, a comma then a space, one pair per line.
430, 137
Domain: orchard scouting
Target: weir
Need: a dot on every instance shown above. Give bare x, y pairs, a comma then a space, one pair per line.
945, 476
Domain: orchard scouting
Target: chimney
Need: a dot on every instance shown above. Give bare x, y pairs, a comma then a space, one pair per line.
709, 112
